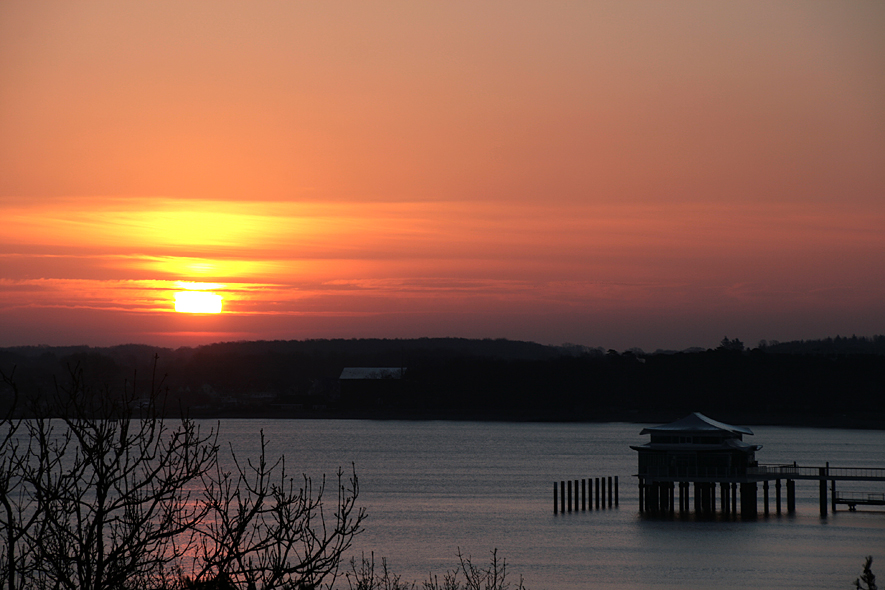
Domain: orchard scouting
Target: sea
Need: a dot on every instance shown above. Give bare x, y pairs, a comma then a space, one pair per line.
434, 489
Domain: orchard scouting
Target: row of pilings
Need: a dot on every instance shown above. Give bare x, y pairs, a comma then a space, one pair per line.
583, 494
661, 497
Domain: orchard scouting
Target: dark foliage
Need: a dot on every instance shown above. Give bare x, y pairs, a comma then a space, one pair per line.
836, 381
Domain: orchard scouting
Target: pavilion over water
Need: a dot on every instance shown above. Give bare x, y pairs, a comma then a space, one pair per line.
701, 452
697, 451
696, 447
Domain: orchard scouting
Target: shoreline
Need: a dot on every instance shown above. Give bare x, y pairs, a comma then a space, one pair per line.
846, 421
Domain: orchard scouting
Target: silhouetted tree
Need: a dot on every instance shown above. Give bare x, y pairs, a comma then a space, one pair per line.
99, 491
102, 493
465, 576
735, 344
264, 531
867, 581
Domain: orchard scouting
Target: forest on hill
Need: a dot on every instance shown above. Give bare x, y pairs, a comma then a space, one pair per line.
836, 381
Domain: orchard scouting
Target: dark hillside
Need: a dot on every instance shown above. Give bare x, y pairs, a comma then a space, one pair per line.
491, 380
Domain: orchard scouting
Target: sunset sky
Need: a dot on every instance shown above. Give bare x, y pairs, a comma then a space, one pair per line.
617, 174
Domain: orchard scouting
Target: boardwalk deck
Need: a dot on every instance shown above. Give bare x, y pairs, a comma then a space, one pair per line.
662, 483
855, 499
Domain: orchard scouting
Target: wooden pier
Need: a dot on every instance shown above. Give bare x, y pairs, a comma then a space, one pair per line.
853, 499
658, 489
697, 451
583, 494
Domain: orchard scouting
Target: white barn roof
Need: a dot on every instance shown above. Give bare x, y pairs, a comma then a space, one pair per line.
371, 373
696, 422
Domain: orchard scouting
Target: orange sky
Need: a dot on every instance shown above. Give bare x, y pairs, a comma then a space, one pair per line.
617, 174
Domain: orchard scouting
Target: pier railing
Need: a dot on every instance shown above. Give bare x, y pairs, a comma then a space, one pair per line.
765, 472
860, 497
806, 472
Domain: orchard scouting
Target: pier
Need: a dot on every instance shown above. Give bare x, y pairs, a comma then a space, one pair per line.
584, 495
658, 489
709, 456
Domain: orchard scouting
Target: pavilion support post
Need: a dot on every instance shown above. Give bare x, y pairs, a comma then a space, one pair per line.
748, 500
609, 491
555, 499
562, 495
765, 496
616, 491
723, 493
569, 495
822, 474
734, 498
777, 495
641, 495
833, 495
791, 496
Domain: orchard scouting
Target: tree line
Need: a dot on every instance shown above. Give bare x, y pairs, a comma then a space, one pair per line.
833, 381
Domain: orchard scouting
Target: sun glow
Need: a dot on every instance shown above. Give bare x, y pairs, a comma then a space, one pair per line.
197, 302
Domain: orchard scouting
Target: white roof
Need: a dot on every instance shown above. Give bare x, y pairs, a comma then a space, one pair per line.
371, 373
696, 422
730, 443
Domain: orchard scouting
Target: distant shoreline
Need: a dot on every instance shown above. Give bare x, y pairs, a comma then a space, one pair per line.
849, 421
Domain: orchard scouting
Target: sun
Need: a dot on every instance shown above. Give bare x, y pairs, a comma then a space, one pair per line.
197, 302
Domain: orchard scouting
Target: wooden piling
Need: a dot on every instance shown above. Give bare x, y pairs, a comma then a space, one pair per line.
734, 498
777, 495
609, 491
641, 495
555, 499
833, 494
562, 495
576, 495
822, 472
597, 493
616, 491
748, 500
791, 496
765, 497
569, 495
583, 495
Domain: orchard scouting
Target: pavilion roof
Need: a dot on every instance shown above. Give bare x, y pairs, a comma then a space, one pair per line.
696, 422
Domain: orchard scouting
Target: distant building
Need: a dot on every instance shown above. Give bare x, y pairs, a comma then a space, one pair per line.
351, 373
370, 386
695, 446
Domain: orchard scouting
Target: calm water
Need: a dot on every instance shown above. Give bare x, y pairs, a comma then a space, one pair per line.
431, 488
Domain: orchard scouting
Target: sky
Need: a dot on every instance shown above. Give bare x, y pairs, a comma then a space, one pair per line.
617, 174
